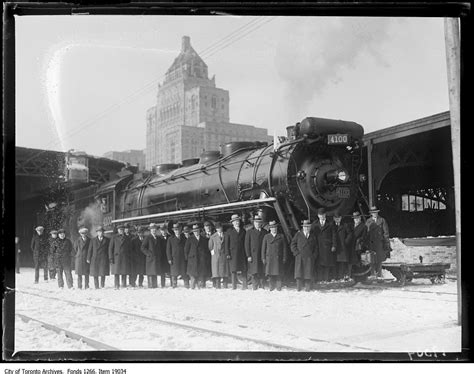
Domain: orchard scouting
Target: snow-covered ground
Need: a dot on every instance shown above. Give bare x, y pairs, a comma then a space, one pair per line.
419, 317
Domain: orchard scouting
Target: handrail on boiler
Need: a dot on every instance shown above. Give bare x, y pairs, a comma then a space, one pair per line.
201, 209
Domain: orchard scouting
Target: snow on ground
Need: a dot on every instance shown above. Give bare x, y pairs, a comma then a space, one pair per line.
418, 317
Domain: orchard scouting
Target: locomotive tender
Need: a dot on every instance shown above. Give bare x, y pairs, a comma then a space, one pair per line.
315, 166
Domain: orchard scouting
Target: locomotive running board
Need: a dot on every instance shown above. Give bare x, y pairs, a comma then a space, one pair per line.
197, 210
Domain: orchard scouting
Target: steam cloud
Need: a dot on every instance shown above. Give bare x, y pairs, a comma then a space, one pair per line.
91, 217
307, 60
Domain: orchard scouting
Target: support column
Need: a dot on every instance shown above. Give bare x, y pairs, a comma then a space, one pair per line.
370, 173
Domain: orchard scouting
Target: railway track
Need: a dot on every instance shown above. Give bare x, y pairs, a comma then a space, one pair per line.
201, 330
70, 334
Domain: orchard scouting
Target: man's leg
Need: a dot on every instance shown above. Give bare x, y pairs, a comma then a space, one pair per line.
133, 280
244, 280
124, 280
86, 281
278, 282
37, 266
140, 280
307, 285
60, 278
96, 282
234, 280
255, 281
299, 285
163, 281
102, 281
79, 281
116, 281
68, 274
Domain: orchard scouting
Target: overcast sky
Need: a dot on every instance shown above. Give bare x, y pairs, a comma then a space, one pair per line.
85, 82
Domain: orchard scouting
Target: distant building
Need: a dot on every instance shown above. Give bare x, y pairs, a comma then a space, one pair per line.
191, 114
132, 156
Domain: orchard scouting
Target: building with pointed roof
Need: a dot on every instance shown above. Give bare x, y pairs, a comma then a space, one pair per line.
191, 114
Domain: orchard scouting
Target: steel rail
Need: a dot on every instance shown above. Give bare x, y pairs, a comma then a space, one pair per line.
92, 342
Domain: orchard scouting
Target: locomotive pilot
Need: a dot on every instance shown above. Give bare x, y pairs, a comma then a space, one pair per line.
274, 255
305, 249
253, 248
325, 235
81, 247
234, 244
378, 238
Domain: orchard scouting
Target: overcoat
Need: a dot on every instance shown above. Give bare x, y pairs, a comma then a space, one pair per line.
64, 254
175, 254
253, 248
343, 240
378, 237
53, 244
219, 262
120, 248
326, 239
98, 256
274, 253
358, 242
234, 244
165, 266
138, 258
193, 250
305, 251
153, 249
80, 253
39, 248
205, 258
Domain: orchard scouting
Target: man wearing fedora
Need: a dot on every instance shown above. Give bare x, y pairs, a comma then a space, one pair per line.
194, 249
234, 244
219, 263
81, 246
274, 255
137, 259
165, 266
325, 235
205, 264
152, 249
253, 250
358, 241
343, 239
175, 255
98, 258
305, 249
63, 255
39, 248
378, 238
120, 247
187, 231
53, 242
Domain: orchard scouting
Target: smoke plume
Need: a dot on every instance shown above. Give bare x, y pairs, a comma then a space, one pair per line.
312, 56
91, 217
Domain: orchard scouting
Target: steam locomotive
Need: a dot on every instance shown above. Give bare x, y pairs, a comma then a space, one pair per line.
316, 165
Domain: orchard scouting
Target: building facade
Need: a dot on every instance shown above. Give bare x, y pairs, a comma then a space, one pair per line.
191, 114
135, 157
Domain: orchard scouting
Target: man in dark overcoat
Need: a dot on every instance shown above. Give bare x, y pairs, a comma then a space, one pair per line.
343, 239
175, 255
253, 250
53, 241
82, 268
152, 248
120, 247
195, 245
378, 238
274, 255
17, 254
234, 244
205, 264
358, 243
305, 249
165, 266
98, 257
62, 259
39, 248
137, 259
325, 235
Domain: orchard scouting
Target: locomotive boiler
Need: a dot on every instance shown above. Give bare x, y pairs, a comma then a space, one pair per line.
315, 165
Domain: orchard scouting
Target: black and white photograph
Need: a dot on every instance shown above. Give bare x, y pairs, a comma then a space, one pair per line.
223, 183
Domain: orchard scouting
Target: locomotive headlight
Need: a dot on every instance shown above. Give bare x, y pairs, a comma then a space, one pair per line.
342, 176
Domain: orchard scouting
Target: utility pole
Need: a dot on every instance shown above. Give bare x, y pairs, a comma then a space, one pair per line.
453, 62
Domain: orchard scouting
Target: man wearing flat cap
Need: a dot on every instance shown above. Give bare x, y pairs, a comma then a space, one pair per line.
253, 250
120, 247
63, 256
325, 235
53, 243
82, 268
175, 255
378, 238
39, 248
98, 258
274, 255
153, 249
138, 259
234, 244
305, 249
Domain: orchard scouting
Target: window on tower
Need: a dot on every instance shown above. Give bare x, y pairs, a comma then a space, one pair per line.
214, 102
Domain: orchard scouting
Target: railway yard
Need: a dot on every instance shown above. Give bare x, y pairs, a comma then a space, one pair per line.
416, 317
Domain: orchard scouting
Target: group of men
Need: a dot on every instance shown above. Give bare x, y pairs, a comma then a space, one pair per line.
323, 250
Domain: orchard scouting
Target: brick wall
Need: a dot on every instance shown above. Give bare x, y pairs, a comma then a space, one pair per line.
431, 254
